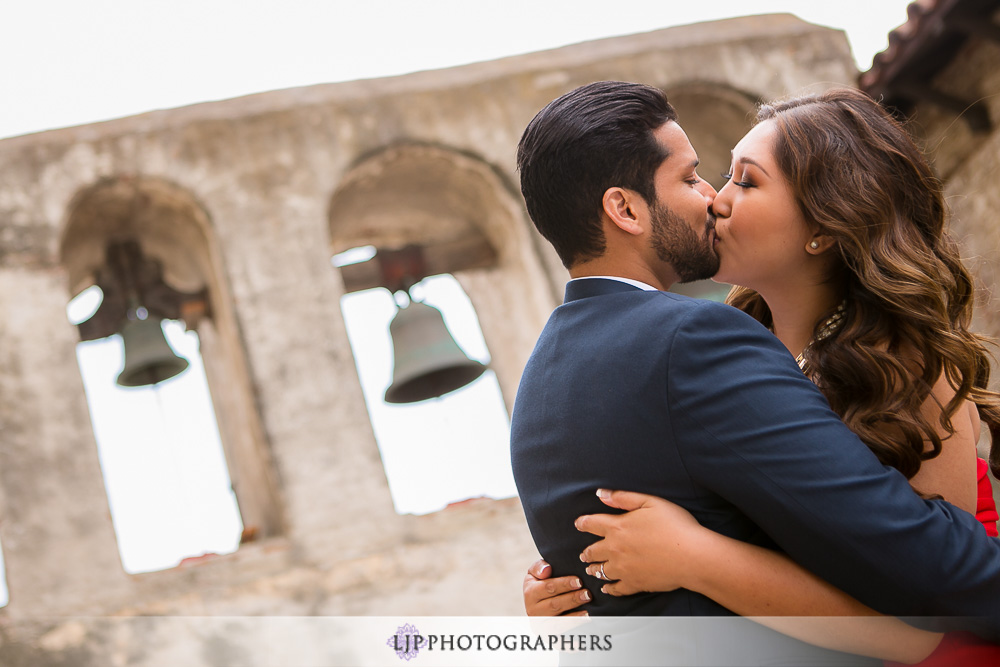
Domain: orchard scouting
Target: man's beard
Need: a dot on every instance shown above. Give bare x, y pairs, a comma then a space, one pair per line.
675, 243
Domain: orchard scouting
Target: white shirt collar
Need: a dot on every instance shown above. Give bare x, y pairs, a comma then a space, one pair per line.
627, 281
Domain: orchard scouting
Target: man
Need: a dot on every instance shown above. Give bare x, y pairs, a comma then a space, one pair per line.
631, 387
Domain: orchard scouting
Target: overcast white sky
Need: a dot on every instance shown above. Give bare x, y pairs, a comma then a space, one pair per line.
70, 62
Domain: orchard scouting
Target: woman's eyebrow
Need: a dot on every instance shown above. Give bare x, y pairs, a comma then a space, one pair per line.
747, 160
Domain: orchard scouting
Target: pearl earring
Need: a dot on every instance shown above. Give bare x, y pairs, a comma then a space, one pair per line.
814, 244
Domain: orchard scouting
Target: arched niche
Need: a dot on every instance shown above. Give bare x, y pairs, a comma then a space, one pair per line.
170, 225
469, 223
174, 231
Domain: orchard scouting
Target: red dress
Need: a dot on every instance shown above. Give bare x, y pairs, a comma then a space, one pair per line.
986, 509
965, 648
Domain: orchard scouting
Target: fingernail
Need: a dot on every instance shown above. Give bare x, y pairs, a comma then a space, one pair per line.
604, 589
603, 494
585, 595
576, 583
583, 559
545, 567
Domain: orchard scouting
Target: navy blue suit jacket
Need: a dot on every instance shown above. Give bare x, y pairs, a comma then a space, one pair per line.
696, 402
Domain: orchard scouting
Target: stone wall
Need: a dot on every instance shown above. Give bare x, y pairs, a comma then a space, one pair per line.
969, 163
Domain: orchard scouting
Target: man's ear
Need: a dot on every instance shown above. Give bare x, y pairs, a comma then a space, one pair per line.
623, 207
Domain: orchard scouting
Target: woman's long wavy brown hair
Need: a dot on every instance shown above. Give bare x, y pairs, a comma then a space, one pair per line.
856, 173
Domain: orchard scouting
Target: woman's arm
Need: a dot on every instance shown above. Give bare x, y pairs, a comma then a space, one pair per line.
658, 546
545, 595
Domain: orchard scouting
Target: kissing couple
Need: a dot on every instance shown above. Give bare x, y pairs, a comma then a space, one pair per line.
809, 448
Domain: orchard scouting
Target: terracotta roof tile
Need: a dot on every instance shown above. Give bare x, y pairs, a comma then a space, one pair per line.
903, 40
934, 33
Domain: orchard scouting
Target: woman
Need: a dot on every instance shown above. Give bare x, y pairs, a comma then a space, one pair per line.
832, 225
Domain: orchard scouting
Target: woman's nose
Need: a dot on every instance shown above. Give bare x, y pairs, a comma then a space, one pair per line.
723, 204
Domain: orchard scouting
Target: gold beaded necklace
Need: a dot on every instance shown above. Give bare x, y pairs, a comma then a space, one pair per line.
829, 325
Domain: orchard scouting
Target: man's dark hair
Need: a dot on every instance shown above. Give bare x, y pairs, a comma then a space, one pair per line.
593, 138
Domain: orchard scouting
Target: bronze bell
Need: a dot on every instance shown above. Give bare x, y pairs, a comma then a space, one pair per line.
427, 362
148, 356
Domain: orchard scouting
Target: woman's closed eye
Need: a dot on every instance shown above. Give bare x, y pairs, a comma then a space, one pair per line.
742, 184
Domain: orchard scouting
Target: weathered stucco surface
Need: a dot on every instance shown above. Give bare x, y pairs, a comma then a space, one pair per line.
969, 163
